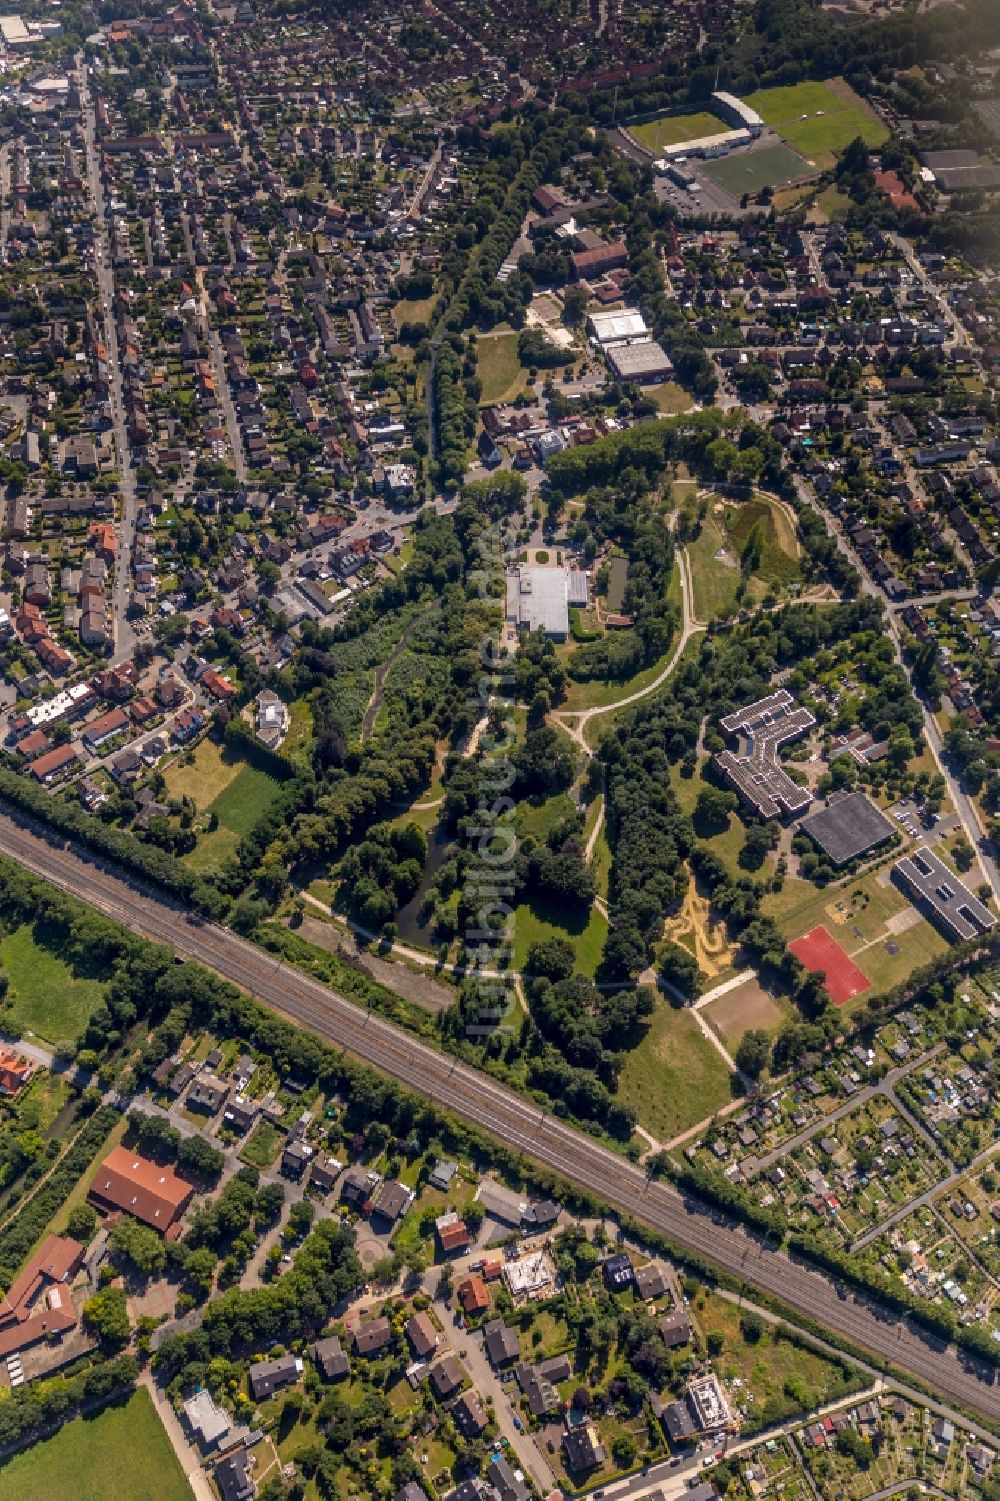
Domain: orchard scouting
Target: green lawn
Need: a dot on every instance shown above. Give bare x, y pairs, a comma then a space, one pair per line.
537, 921
203, 778
780, 561
749, 171
261, 1146
834, 115
675, 1077
120, 1454
715, 579
668, 130
49, 1001
540, 818
599, 694
669, 397
239, 805
212, 849
500, 370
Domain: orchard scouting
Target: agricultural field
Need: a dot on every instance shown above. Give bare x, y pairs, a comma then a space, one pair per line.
933, 1261
853, 1178
967, 1209
900, 1457
45, 997
118, 1454
668, 130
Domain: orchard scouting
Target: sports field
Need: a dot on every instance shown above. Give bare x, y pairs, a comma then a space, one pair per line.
749, 171
818, 951
667, 130
818, 119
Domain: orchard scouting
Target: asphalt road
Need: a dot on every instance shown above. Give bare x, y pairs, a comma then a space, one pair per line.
121, 592
518, 1122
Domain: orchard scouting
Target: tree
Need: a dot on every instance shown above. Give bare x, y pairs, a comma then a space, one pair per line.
106, 1315
82, 1222
141, 1247
624, 1449
551, 959
713, 807
851, 1443
753, 548
754, 1052
751, 1326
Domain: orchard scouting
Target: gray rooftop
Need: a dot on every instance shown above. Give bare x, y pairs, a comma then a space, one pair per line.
847, 827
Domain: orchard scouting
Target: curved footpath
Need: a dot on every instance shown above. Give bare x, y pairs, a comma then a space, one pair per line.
517, 1122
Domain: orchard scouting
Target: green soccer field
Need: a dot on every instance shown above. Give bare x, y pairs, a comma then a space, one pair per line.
668, 130
749, 171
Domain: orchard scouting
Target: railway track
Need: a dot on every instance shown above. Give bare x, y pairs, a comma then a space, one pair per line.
516, 1121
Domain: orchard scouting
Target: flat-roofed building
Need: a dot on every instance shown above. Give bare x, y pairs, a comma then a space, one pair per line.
643, 361
705, 147
847, 828
753, 770
947, 900
737, 113
538, 600
615, 328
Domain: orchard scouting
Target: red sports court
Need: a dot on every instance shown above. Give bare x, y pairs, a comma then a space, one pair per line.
819, 951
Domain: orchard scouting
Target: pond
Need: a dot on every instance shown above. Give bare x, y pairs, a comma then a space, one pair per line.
409, 928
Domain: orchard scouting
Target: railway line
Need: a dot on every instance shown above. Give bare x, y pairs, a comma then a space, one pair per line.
518, 1122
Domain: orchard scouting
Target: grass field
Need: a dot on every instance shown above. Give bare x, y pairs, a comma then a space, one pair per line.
261, 1146
598, 694
668, 130
765, 1366
857, 914
748, 1005
715, 579
780, 561
413, 310
500, 370
239, 805
49, 1001
118, 1455
675, 1077
669, 397
205, 777
537, 921
540, 818
212, 849
834, 115
749, 171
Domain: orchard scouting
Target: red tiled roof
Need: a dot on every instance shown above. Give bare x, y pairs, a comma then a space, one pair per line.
151, 1193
